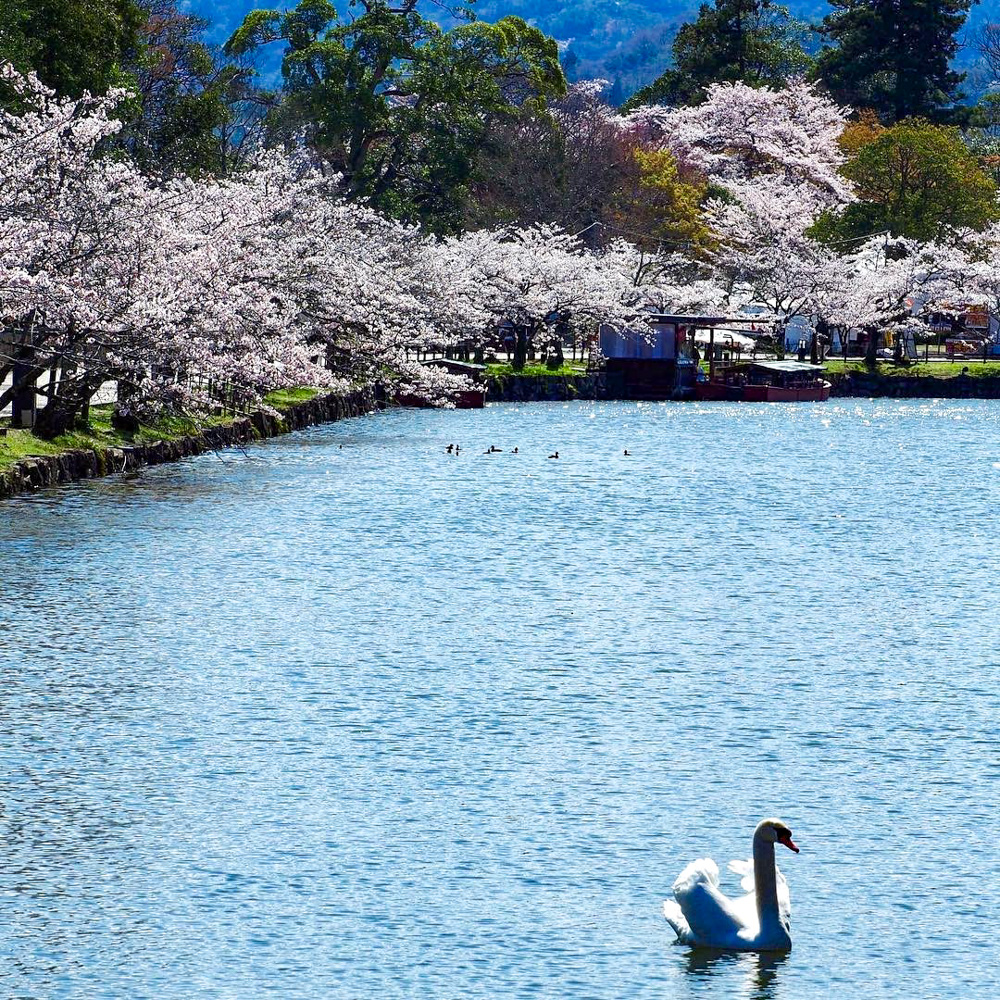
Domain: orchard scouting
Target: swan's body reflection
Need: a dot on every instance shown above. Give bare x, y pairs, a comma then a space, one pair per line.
760, 971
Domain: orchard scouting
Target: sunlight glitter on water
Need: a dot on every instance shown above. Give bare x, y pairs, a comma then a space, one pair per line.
325, 722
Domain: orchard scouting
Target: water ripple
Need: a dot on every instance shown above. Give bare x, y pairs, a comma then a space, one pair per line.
348, 716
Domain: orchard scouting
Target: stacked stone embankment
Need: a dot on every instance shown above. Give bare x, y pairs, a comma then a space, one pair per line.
69, 466
870, 385
544, 388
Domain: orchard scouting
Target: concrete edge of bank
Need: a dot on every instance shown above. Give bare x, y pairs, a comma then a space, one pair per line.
89, 463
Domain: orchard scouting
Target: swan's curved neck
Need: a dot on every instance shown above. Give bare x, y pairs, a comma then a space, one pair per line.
765, 882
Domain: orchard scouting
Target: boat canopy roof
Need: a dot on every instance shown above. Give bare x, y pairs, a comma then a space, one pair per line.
788, 366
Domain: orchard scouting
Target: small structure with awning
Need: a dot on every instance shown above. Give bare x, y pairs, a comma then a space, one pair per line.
663, 363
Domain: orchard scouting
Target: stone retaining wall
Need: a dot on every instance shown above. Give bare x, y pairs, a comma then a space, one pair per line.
544, 388
69, 466
541, 388
913, 387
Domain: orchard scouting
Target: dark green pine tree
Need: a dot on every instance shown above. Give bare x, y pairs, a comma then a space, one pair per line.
894, 56
753, 41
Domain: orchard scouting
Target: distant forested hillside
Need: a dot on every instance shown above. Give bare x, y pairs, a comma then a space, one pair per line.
625, 40
618, 39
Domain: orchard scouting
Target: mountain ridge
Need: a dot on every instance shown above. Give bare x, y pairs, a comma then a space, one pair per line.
624, 40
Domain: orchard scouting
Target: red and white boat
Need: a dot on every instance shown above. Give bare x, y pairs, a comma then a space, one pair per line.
765, 382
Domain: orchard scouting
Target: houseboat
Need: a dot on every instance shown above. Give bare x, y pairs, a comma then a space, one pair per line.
660, 361
765, 382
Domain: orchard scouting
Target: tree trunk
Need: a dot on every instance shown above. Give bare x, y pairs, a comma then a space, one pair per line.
24, 401
58, 417
69, 408
556, 357
819, 331
520, 358
871, 351
24, 375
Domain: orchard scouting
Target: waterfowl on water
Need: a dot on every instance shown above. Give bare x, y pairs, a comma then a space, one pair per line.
704, 917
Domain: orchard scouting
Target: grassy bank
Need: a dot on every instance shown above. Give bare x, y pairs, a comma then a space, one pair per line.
568, 368
18, 444
933, 369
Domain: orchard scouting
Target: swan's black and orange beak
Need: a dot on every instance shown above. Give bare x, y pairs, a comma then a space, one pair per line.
786, 839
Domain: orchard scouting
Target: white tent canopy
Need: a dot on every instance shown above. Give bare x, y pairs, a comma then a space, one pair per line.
724, 338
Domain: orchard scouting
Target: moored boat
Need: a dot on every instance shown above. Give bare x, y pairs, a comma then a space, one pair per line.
765, 382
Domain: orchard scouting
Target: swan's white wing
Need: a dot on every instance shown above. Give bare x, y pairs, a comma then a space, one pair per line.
675, 917
703, 870
707, 917
745, 869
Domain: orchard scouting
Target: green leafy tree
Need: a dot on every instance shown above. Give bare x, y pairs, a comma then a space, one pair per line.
397, 105
660, 208
915, 179
14, 45
80, 45
197, 112
893, 55
753, 41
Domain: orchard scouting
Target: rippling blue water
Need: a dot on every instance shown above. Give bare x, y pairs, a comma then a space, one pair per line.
345, 716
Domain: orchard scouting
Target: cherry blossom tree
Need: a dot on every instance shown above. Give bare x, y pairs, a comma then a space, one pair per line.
70, 247
882, 283
774, 157
742, 132
186, 291
975, 268
540, 279
191, 293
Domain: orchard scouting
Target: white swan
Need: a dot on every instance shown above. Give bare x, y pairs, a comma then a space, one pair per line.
705, 917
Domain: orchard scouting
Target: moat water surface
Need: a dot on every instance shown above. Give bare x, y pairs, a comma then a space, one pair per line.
344, 716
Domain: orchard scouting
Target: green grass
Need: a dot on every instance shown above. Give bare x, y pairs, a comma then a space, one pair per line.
20, 444
936, 369
568, 368
99, 434
281, 399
